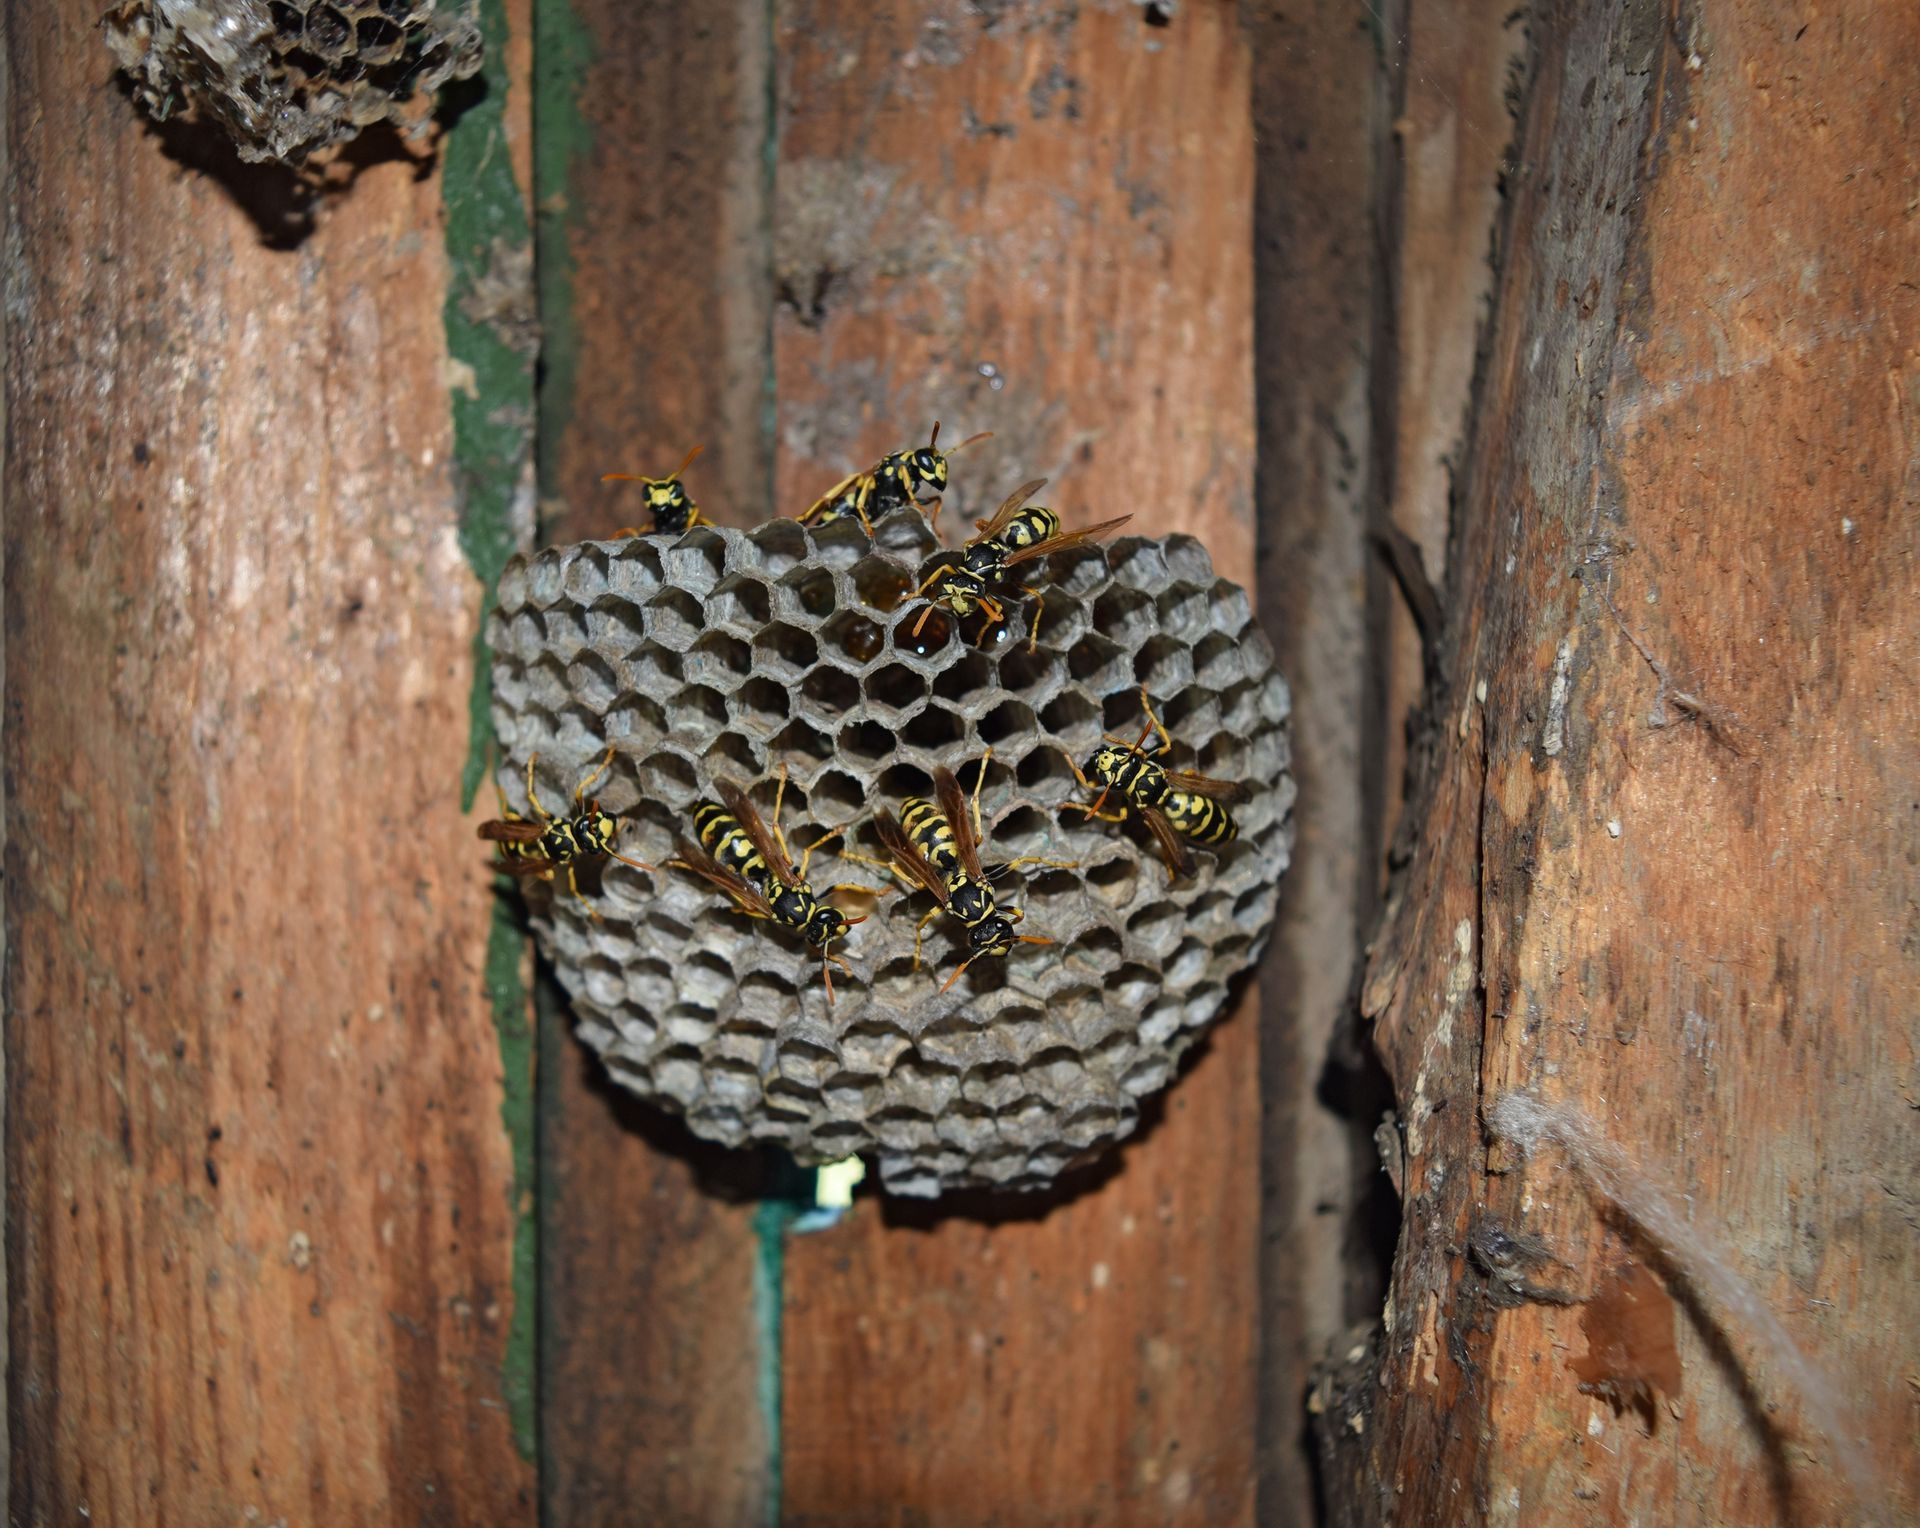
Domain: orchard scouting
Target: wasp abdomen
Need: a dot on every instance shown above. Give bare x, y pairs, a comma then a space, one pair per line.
1201, 818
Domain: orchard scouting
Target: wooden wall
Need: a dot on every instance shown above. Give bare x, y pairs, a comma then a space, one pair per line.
315, 1211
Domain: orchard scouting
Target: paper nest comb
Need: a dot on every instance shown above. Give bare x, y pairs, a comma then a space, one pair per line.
726, 654
287, 77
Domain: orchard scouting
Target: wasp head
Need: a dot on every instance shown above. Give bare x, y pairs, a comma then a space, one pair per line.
826, 925
595, 831
991, 936
928, 466
1106, 765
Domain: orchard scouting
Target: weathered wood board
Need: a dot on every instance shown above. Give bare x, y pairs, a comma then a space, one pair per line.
260, 1203
654, 304
1664, 843
1015, 220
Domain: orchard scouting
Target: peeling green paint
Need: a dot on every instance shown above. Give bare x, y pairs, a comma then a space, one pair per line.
490, 346
562, 137
788, 1193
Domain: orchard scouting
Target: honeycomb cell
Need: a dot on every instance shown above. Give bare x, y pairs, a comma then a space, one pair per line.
784, 652
731, 654
741, 605
853, 640
894, 692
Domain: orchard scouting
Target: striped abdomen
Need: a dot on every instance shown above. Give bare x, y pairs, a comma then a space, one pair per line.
1200, 818
723, 837
932, 835
1028, 528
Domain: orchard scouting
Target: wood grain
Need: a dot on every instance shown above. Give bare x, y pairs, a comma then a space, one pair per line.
1023, 220
1317, 119
1681, 903
259, 1206
1449, 65
654, 301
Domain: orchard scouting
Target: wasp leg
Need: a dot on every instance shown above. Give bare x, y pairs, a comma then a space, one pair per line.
1039, 604
779, 796
580, 790
579, 896
533, 800
1041, 859
1146, 705
980, 779
903, 882
920, 931
806, 854
865, 891
625, 532
926, 584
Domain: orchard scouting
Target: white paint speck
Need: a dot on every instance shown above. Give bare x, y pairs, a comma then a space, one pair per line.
1846, 526
1553, 736
1480, 692
1613, 827
1510, 565
1101, 1274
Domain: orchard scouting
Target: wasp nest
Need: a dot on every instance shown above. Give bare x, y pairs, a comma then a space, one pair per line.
726, 655
286, 77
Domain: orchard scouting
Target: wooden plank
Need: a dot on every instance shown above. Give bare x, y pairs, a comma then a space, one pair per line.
1676, 897
1316, 264
654, 244
1450, 65
654, 304
260, 1205
1017, 221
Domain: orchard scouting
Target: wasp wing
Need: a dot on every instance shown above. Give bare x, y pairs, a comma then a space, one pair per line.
906, 856
864, 480
1069, 539
710, 870
953, 806
755, 827
1003, 516
515, 830
1205, 785
1172, 850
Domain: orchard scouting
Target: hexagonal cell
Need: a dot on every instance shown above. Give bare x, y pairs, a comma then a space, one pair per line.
866, 744
741, 602
806, 592
1028, 1063
923, 631
935, 730
852, 639
673, 618
880, 583
718, 659
893, 693
784, 652
827, 695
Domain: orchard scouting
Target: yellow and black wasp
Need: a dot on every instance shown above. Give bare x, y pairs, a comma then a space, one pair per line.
935, 846
737, 854
666, 498
1171, 802
894, 480
533, 848
1017, 533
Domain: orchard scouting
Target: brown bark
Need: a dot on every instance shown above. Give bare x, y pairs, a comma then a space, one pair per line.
259, 1201
1662, 853
1017, 221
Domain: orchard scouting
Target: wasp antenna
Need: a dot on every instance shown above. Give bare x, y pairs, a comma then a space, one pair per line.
636, 864
983, 435
622, 477
677, 471
933, 441
959, 973
1032, 939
